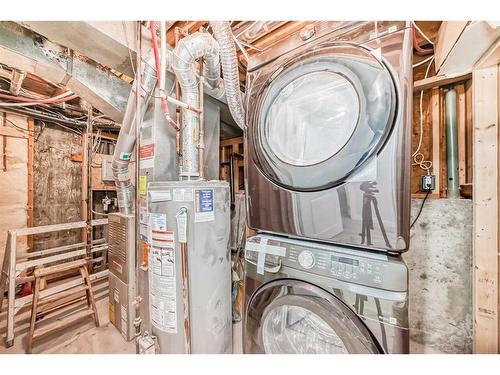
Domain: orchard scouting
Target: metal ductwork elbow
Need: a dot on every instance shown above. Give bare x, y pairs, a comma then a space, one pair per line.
188, 50
223, 34
127, 137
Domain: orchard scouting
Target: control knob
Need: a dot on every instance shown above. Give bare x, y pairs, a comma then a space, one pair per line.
306, 259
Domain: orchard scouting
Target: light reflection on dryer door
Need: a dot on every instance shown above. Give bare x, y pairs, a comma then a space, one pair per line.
317, 215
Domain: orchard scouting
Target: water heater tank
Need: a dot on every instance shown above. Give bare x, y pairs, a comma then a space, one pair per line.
197, 213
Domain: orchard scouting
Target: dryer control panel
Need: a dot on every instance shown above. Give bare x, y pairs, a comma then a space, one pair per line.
361, 267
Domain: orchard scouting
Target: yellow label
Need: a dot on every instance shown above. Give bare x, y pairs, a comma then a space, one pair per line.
143, 185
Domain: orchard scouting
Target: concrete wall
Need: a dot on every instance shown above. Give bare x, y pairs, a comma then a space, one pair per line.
57, 183
440, 266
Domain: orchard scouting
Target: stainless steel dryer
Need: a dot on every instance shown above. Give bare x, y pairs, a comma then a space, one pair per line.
313, 298
328, 138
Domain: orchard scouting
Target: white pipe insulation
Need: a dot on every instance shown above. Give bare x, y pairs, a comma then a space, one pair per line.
190, 49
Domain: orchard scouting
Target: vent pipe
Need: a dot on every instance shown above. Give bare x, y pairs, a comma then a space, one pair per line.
127, 137
223, 34
193, 47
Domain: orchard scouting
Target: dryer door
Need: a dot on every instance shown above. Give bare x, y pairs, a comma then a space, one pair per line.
321, 116
294, 317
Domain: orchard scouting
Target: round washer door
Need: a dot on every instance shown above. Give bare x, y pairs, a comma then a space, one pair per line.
295, 317
321, 116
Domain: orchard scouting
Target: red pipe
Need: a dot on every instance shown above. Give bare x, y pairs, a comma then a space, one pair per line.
424, 51
164, 104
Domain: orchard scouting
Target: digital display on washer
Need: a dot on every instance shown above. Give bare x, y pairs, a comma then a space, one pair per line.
352, 262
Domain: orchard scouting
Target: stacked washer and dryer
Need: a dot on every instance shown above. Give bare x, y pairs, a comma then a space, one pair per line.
327, 179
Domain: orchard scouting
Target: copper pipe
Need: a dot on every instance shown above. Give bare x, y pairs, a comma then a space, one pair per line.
201, 131
177, 110
185, 298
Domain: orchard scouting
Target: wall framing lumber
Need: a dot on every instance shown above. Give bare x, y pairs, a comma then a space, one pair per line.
485, 243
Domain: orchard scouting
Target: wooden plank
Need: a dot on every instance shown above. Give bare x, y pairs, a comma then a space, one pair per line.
59, 288
485, 243
58, 249
460, 89
55, 258
58, 227
62, 323
8, 131
436, 136
31, 143
439, 80
12, 288
468, 131
60, 267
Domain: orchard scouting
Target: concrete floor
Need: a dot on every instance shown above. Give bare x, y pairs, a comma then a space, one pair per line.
85, 338
440, 267
439, 263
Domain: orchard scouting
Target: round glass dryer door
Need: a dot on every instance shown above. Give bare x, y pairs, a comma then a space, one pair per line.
322, 117
295, 317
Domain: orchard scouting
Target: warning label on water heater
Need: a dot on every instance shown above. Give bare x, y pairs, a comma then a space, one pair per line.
162, 297
204, 205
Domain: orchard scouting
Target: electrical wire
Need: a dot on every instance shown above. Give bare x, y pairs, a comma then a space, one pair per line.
420, 209
427, 59
418, 157
421, 32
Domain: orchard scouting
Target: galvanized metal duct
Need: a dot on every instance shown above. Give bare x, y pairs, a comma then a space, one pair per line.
127, 137
188, 50
223, 34
452, 143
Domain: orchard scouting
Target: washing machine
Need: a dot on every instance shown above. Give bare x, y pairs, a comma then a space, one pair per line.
309, 298
328, 137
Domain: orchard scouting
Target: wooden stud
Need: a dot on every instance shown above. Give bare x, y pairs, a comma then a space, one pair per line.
443, 172
436, 137
485, 198
85, 140
468, 131
31, 142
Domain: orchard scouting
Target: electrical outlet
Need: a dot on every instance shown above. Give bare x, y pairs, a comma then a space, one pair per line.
427, 182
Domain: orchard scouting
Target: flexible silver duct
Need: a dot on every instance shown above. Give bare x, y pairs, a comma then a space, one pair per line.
229, 61
127, 138
188, 50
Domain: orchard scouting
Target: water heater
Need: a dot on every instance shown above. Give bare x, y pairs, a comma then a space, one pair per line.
190, 217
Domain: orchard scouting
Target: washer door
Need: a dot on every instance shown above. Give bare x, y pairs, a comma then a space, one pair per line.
321, 116
295, 317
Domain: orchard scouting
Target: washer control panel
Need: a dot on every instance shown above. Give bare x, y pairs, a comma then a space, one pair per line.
352, 265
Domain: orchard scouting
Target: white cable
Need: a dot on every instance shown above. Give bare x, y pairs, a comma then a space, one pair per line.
421, 32
423, 61
418, 157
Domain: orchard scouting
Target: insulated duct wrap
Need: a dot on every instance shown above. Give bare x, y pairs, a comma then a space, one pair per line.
127, 139
223, 34
186, 53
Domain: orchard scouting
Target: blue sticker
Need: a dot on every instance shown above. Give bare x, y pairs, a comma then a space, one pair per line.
204, 205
